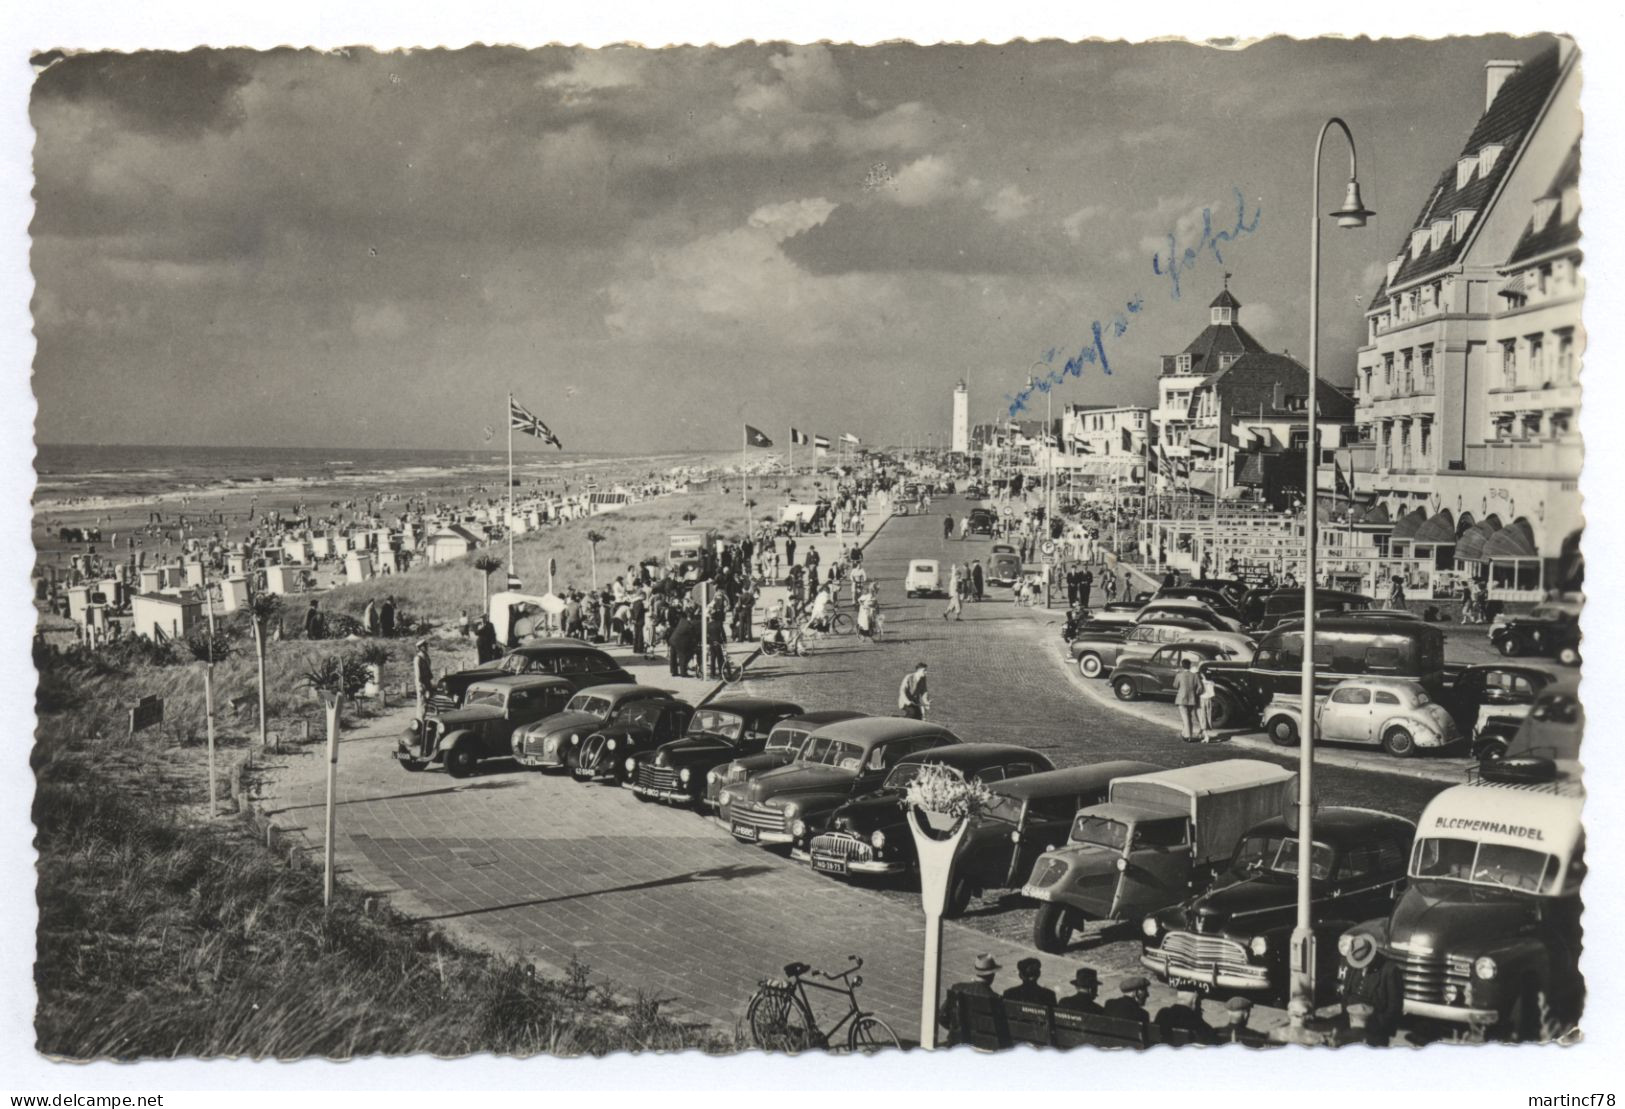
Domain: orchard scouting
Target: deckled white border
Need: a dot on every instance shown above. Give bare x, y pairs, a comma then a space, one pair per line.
1356, 1076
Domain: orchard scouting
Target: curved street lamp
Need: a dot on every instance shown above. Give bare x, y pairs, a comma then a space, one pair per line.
1352, 213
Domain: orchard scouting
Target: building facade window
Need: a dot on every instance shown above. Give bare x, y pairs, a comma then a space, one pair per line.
1424, 439
1405, 445
1408, 376
1509, 364
1530, 426
1388, 371
1182, 363
1560, 423
1565, 356
1537, 359
1427, 369
1503, 426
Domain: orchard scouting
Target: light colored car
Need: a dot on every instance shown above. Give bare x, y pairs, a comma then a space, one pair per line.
1392, 713
1097, 653
924, 578
1181, 606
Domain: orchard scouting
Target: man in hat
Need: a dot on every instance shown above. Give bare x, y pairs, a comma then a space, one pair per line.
1087, 983
1239, 1010
485, 640
386, 615
1029, 990
1131, 1005
423, 674
954, 1014
1185, 1015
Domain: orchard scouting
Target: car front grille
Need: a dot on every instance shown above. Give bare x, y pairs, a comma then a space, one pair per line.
592, 750
441, 702
1439, 979
656, 777
764, 818
1047, 873
839, 845
1187, 949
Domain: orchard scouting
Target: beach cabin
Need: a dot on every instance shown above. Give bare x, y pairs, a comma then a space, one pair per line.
234, 593
283, 580
112, 591
78, 601
161, 616
152, 580
194, 575
174, 577
322, 546
236, 564
389, 561
451, 542
295, 550
357, 566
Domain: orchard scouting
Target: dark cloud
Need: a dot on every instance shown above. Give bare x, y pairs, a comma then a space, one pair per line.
951, 236
152, 91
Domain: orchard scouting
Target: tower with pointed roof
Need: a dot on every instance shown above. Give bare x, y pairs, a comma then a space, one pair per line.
961, 424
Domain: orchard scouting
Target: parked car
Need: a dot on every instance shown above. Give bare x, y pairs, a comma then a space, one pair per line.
554, 742
1097, 654
1031, 814
1265, 611
1487, 934
1116, 612
719, 732
632, 727
839, 761
1004, 565
1233, 590
1212, 599
983, 521
1551, 628
1392, 713
1237, 935
881, 816
575, 660
783, 743
1550, 734
1159, 838
1187, 609
483, 728
1153, 675
1489, 701
924, 578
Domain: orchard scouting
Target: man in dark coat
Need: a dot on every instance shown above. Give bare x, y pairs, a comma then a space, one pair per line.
977, 582
685, 643
1087, 984
1131, 1005
386, 616
313, 622
1086, 584
1185, 1015
790, 549
1029, 990
635, 613
952, 1015
485, 640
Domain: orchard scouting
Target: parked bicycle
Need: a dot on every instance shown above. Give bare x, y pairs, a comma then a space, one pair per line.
781, 1017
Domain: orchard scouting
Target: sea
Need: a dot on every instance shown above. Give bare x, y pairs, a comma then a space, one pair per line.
70, 475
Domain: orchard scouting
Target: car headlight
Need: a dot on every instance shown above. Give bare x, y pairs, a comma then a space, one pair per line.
610, 745
1258, 946
631, 765
878, 839
726, 797
1122, 864
713, 776
1345, 944
1015, 835
552, 746
683, 775
1149, 927
575, 741
799, 829
791, 811
1484, 968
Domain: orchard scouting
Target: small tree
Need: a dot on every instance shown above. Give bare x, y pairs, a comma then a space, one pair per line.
487, 564
593, 539
263, 608
335, 674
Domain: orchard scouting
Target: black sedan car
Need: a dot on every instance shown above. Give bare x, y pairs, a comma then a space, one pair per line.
1235, 937
878, 818
719, 732
634, 726
983, 521
1551, 629
1489, 701
576, 661
1153, 675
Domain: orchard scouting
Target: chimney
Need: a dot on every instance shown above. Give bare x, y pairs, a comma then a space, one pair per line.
1495, 75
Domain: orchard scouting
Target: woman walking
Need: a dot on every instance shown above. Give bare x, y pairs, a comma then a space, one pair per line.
956, 596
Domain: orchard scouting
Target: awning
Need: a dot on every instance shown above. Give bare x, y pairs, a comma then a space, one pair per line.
1234, 493
1374, 516
1409, 524
1203, 443
1513, 541
1470, 544
1513, 288
1252, 470
1440, 528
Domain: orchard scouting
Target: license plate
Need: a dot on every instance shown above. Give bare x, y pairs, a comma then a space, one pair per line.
746, 831
829, 866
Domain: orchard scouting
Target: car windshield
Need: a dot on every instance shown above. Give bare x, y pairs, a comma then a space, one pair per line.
640, 715
485, 697
1485, 864
1278, 855
712, 722
1099, 831
516, 664
832, 752
1549, 612
901, 776
587, 703
1007, 809
786, 739
1420, 698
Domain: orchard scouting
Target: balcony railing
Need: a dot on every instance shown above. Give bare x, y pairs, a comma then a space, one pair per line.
1526, 458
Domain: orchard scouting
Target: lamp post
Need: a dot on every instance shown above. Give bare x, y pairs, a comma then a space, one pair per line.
1352, 213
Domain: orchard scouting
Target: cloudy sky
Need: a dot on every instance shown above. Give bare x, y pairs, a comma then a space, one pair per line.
646, 247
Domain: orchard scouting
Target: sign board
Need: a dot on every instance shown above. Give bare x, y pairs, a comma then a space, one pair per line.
147, 712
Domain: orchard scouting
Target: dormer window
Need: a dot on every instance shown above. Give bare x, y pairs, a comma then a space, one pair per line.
1223, 315
1440, 233
1465, 165
1419, 241
1464, 220
1545, 207
1487, 157
1227, 360
1393, 268
1182, 363
1570, 204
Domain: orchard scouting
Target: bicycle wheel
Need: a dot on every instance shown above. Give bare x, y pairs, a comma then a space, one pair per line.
778, 1022
841, 624
732, 671
871, 1034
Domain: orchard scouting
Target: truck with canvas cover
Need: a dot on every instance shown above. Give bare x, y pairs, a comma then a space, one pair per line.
1158, 839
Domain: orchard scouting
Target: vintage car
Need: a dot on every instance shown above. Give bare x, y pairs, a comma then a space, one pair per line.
1393, 713
1551, 628
1486, 937
1488, 702
858, 825
575, 660
633, 726
1121, 613
838, 762
1266, 610
1004, 565
1153, 675
554, 742
1096, 654
924, 578
783, 743
483, 727
1157, 609
1549, 736
1236, 936
1229, 590
720, 731
1031, 814
983, 521
1158, 838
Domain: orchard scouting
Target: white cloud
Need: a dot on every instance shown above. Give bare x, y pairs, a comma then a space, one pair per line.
610, 68
1263, 321
924, 181
1009, 203
792, 217
1073, 225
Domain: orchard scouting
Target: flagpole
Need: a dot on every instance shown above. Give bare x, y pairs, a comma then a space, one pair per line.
512, 569
744, 475
790, 466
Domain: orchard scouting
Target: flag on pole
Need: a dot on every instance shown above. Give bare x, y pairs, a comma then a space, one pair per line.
821, 442
798, 438
523, 419
1151, 459
1343, 489
514, 584
850, 438
755, 438
1128, 439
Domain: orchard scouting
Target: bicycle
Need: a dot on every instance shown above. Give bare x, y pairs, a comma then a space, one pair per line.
781, 1018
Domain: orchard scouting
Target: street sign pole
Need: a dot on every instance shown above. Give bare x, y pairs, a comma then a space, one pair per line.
208, 703
936, 858
331, 702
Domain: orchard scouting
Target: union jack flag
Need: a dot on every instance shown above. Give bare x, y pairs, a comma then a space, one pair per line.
523, 419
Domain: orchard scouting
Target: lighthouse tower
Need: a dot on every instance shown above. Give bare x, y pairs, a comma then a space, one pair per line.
961, 418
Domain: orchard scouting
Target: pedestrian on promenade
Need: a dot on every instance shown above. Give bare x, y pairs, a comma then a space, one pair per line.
1086, 585
485, 640
790, 547
1128, 585
977, 582
1087, 984
964, 528
1131, 1004
1396, 592
956, 596
913, 701
422, 675
1187, 699
313, 622
955, 1013
1185, 1015
1210, 696
947, 527
1029, 991
386, 616
369, 616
